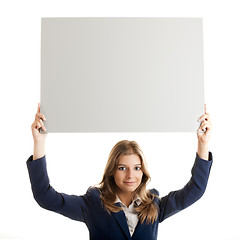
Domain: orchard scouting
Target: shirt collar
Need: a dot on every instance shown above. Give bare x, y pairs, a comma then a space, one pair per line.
137, 200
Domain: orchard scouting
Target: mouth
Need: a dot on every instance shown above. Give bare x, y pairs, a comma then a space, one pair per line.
129, 183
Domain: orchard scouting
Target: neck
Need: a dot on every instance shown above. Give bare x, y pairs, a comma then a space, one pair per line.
126, 198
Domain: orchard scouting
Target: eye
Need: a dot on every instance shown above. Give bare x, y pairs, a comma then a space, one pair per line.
121, 168
137, 168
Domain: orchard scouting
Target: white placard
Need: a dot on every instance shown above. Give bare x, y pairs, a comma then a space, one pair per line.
101, 74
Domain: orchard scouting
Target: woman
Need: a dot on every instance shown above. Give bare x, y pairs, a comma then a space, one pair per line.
121, 207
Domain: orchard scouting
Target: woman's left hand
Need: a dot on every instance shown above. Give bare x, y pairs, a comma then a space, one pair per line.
205, 129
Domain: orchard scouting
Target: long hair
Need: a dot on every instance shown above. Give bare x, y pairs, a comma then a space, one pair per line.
147, 210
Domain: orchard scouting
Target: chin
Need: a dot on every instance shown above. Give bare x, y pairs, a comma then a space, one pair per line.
129, 189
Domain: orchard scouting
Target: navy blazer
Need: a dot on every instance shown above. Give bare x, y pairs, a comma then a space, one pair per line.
102, 225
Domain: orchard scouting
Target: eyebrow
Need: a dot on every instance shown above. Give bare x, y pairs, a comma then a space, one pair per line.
126, 165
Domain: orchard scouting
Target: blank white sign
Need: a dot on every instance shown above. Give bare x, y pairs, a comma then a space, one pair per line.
122, 74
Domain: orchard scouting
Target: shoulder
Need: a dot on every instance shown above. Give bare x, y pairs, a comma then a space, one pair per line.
93, 192
155, 196
154, 191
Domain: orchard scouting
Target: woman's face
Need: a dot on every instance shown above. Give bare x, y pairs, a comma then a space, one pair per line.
128, 175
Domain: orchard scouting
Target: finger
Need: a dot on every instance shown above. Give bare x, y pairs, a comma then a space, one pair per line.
36, 125
200, 130
38, 108
42, 125
40, 116
205, 126
205, 107
204, 117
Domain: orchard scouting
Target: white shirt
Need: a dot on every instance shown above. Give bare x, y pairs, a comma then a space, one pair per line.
130, 213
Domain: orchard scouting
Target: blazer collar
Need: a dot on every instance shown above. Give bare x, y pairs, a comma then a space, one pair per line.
137, 200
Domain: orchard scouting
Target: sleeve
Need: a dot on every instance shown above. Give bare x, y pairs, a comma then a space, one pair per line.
176, 201
72, 206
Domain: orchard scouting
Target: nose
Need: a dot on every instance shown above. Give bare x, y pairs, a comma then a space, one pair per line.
129, 174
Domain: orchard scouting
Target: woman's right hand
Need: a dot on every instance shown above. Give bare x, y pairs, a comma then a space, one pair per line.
37, 124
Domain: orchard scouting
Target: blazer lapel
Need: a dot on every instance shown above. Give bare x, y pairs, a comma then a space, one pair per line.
138, 230
121, 220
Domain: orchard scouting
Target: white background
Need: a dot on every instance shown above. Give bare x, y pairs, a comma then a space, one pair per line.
76, 161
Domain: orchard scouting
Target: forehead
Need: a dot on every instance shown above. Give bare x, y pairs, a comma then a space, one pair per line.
131, 159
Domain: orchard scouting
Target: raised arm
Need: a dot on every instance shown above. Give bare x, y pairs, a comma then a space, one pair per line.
72, 206
176, 201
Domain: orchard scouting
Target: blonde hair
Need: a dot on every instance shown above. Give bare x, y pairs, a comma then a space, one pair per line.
147, 210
